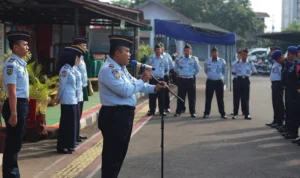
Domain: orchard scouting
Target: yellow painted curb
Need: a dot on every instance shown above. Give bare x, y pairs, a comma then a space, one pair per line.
84, 160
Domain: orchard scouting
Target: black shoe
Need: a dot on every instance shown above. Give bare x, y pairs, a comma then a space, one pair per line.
284, 129
291, 136
79, 140
275, 125
163, 114
285, 133
63, 151
234, 117
168, 110
183, 111
205, 116
270, 124
297, 140
278, 127
248, 117
177, 114
82, 137
224, 117
150, 113
193, 115
71, 149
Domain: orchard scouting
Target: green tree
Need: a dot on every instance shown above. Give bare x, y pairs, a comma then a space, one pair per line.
124, 3
295, 26
128, 3
232, 15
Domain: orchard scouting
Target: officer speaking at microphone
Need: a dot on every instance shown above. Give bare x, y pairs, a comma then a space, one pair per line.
187, 67
243, 70
15, 108
118, 98
215, 69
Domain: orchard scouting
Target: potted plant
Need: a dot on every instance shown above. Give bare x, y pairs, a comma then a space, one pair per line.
39, 89
144, 53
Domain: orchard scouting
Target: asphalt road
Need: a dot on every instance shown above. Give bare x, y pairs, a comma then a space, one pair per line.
208, 148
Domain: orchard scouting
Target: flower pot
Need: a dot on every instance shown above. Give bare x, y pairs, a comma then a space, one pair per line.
41, 125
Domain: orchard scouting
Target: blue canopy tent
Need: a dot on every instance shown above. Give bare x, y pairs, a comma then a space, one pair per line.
188, 34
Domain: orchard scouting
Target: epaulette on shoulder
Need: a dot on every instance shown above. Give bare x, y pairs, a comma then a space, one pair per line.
195, 57
11, 60
111, 65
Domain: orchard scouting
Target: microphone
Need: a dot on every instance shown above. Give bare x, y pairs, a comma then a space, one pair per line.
135, 63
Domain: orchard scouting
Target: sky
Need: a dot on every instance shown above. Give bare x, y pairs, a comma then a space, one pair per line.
272, 7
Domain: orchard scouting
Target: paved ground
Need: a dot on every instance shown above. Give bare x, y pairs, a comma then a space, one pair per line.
39, 159
193, 147
214, 147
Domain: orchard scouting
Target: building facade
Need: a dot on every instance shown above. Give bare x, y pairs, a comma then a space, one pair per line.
290, 12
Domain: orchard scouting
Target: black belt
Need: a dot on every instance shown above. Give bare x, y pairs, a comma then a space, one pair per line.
243, 77
214, 80
187, 77
20, 99
119, 107
277, 81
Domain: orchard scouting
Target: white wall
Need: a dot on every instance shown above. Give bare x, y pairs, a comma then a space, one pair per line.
154, 11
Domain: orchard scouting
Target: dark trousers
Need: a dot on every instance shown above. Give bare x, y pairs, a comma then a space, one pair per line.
211, 87
80, 107
167, 96
152, 98
292, 110
14, 137
242, 92
186, 85
277, 101
115, 123
67, 126
234, 96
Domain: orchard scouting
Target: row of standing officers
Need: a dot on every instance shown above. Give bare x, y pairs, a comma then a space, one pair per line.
285, 78
187, 67
72, 93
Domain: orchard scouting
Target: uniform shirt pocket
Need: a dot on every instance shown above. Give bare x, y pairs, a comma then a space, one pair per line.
248, 70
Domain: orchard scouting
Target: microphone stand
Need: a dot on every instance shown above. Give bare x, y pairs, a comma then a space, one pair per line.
163, 125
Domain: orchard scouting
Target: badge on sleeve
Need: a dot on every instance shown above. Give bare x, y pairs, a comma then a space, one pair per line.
64, 73
111, 65
116, 73
9, 71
